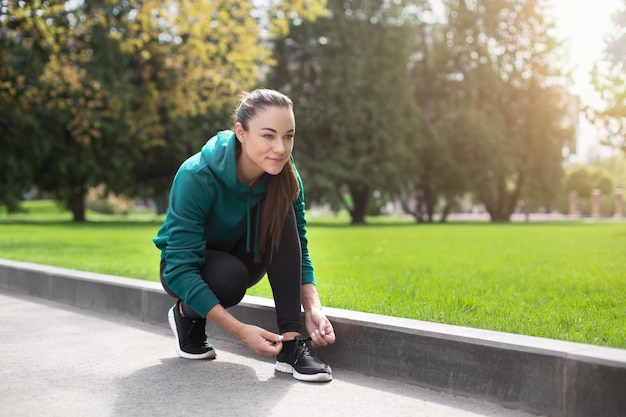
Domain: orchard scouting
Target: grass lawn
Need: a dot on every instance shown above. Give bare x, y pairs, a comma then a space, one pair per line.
561, 280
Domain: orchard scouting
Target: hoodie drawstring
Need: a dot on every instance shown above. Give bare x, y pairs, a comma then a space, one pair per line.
248, 224
256, 227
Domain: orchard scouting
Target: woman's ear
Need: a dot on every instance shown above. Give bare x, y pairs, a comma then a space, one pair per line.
240, 132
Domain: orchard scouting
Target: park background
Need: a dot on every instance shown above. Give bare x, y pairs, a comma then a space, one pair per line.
467, 113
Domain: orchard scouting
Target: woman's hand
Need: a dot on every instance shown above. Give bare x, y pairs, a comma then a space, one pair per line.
260, 340
319, 327
256, 338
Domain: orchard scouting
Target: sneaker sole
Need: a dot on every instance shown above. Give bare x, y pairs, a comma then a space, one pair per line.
211, 354
288, 369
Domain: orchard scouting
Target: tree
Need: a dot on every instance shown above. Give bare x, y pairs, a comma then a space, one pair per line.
616, 166
584, 179
504, 59
348, 76
609, 80
22, 59
72, 101
190, 63
471, 155
19, 67
425, 156
457, 146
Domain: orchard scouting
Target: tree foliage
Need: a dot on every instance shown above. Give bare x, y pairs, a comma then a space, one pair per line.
119, 93
389, 100
348, 76
584, 179
22, 60
501, 69
471, 103
457, 145
609, 80
67, 92
189, 60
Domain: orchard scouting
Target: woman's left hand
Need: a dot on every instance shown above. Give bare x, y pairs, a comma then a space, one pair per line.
319, 327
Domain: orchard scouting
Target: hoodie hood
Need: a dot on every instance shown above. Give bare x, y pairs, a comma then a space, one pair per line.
220, 155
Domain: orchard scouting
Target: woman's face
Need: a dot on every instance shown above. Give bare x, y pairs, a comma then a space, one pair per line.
267, 144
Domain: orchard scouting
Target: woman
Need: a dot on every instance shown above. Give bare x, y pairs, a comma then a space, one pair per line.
236, 212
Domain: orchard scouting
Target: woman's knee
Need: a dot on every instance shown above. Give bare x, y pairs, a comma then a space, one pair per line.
226, 275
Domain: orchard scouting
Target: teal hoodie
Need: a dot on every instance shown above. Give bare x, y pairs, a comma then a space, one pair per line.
209, 208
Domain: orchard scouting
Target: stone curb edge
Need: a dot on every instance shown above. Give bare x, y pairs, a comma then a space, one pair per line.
541, 376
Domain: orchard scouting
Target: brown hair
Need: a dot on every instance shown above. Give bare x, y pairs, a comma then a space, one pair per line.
283, 188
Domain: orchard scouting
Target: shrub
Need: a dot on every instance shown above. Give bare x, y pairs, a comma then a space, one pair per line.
104, 201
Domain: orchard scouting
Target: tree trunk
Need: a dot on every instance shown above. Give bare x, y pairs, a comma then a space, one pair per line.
360, 198
428, 198
417, 213
500, 217
77, 204
505, 202
430, 201
500, 212
446, 211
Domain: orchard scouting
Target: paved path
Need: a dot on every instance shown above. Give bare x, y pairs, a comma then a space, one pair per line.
57, 360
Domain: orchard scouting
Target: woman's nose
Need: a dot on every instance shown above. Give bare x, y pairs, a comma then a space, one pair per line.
279, 146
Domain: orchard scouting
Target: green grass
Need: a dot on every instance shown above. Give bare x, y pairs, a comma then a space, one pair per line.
562, 280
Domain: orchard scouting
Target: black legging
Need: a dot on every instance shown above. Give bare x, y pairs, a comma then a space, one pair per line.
229, 274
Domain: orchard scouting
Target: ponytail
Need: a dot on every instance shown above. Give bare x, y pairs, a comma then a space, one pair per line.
282, 190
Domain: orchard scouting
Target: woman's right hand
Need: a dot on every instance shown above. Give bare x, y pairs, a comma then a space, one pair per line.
256, 338
260, 340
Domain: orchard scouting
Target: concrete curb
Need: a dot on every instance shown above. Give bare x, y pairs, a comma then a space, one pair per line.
537, 375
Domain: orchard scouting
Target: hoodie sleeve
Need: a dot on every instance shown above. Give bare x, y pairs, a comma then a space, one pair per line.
189, 204
308, 275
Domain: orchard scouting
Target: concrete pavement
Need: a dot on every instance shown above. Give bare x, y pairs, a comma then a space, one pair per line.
59, 360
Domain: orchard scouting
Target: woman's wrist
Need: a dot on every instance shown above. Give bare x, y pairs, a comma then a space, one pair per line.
220, 316
310, 298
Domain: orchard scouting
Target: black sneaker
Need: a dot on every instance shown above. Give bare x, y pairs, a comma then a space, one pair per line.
297, 359
191, 340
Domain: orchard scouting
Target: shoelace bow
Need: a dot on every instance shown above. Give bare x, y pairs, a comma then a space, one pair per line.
303, 348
